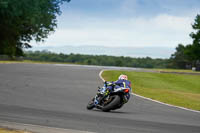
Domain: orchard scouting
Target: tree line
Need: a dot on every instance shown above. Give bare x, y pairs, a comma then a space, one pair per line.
102, 60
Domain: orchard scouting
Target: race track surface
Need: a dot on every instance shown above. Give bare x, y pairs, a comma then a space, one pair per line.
57, 95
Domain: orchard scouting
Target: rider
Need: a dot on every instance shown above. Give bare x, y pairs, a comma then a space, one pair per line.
121, 82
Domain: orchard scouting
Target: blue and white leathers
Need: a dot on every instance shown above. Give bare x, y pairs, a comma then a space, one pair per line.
120, 83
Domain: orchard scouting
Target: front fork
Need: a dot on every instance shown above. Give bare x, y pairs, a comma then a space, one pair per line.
98, 99
126, 98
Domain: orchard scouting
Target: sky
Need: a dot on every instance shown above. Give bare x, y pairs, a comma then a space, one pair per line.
124, 23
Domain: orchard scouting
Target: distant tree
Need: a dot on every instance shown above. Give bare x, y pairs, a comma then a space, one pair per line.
189, 54
196, 26
24, 20
193, 50
179, 58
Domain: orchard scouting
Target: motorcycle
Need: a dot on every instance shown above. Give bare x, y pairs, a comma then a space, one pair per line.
106, 100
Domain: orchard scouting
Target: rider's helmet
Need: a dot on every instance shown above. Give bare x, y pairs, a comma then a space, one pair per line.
123, 77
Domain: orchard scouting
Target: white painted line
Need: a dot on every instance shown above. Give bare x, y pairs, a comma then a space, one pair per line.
100, 75
165, 103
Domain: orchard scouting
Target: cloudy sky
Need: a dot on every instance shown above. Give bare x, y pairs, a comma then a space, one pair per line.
132, 23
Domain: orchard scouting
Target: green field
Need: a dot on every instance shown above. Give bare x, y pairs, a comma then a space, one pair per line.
175, 70
176, 89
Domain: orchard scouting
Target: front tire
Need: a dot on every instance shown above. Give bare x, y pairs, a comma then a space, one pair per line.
90, 105
115, 101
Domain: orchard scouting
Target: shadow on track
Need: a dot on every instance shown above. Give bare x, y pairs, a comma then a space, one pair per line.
112, 111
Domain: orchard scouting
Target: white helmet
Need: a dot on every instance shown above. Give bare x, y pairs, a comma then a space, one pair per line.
123, 77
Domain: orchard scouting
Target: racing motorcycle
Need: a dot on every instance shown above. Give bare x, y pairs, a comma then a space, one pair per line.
106, 100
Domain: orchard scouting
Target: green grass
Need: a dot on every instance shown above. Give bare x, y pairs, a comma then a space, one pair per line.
175, 70
176, 89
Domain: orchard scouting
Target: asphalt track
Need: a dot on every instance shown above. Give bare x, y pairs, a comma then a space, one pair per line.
57, 95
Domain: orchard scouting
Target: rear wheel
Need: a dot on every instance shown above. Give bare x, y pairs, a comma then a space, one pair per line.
91, 104
115, 101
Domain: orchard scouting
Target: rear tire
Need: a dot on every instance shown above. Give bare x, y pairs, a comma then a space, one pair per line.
91, 104
112, 104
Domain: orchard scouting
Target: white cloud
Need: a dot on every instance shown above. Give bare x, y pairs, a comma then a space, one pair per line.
173, 23
161, 30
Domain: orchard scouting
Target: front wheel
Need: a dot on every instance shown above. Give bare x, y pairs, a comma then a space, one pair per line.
115, 101
90, 105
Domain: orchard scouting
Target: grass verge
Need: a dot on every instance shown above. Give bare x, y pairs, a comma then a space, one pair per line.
175, 89
3, 130
175, 70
